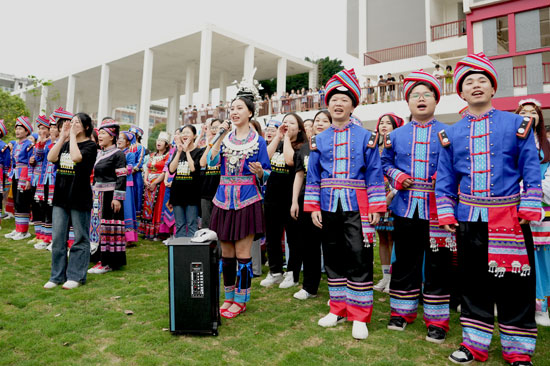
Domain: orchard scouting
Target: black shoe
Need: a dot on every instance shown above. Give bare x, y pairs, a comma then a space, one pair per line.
522, 363
436, 334
462, 356
397, 323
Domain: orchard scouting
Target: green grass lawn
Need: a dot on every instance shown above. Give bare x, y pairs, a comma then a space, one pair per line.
88, 326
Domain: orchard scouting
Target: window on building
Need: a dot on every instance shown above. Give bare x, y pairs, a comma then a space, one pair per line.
520, 71
544, 14
503, 43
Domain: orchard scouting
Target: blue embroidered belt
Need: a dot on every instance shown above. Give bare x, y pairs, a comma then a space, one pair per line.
238, 180
489, 202
426, 187
342, 183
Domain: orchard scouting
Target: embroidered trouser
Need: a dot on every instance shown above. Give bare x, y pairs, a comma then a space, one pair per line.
348, 263
513, 294
22, 202
412, 250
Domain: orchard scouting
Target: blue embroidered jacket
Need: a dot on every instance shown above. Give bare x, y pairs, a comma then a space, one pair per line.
485, 158
240, 188
341, 164
413, 153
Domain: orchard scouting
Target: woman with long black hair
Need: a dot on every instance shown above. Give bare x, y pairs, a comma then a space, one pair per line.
290, 136
109, 189
237, 215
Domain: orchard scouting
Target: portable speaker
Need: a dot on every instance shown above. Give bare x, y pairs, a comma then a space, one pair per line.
193, 280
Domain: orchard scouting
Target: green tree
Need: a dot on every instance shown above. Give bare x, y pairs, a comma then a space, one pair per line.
326, 68
11, 107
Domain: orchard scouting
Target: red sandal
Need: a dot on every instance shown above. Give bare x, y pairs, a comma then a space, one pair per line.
229, 314
230, 302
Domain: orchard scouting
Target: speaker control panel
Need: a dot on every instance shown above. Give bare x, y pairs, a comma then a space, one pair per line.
197, 280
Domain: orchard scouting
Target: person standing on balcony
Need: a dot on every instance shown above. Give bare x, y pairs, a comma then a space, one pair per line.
448, 79
381, 89
345, 195
409, 161
390, 80
485, 156
438, 74
541, 230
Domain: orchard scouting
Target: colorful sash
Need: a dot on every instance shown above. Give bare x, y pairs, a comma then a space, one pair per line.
362, 201
507, 251
439, 238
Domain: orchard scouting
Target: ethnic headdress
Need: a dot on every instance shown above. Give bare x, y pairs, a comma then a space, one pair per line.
420, 76
474, 63
345, 82
42, 120
24, 122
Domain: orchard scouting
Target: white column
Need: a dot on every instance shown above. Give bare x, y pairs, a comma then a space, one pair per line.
223, 86
145, 101
78, 103
44, 100
248, 61
23, 96
138, 105
362, 46
71, 84
189, 83
281, 76
173, 110
102, 109
204, 67
313, 78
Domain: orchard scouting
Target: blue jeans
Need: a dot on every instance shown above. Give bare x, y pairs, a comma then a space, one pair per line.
76, 267
186, 220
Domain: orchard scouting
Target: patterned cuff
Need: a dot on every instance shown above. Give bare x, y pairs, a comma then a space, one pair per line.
312, 198
377, 198
446, 210
121, 172
397, 177
119, 195
530, 204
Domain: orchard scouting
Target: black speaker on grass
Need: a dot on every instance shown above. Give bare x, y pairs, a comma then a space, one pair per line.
193, 281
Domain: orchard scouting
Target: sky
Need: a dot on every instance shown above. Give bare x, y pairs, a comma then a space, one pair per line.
53, 38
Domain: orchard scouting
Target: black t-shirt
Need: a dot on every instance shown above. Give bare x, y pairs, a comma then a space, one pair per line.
301, 159
279, 185
186, 186
210, 181
391, 79
72, 181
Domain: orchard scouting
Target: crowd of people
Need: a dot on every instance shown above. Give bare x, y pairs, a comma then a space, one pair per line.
455, 227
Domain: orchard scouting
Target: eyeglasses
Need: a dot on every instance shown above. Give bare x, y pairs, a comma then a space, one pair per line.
426, 95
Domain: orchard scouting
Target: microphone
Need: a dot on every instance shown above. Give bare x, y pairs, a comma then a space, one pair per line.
221, 131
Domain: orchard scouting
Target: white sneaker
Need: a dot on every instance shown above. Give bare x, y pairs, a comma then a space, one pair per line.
40, 245
94, 268
8, 216
303, 295
288, 280
381, 285
70, 284
387, 288
50, 285
330, 320
21, 236
542, 319
10, 235
360, 330
49, 247
103, 269
93, 247
272, 279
